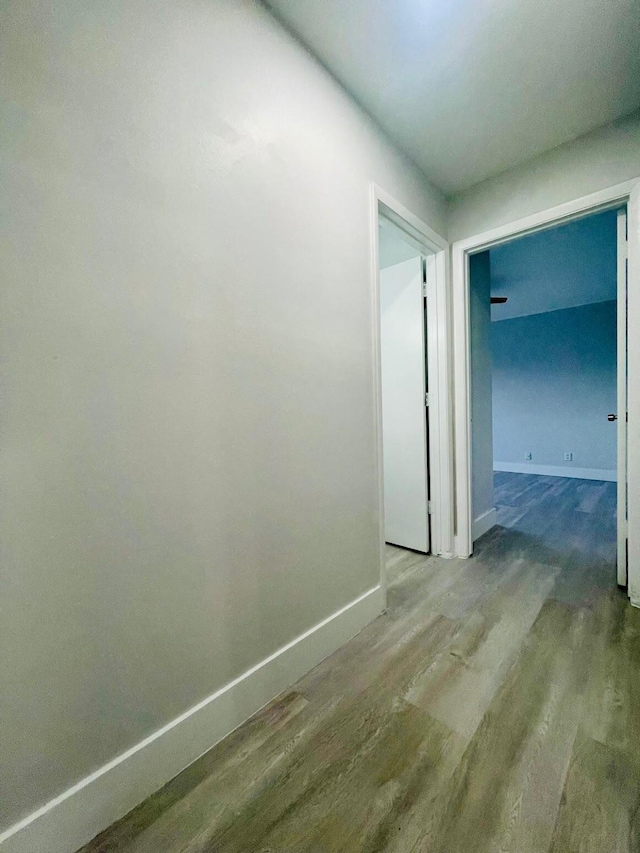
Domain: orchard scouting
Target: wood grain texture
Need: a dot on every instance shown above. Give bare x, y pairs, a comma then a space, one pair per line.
495, 707
600, 807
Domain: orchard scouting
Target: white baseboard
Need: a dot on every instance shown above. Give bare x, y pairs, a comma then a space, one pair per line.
78, 814
556, 471
484, 523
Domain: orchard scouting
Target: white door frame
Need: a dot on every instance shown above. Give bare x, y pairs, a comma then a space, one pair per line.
626, 193
621, 396
436, 249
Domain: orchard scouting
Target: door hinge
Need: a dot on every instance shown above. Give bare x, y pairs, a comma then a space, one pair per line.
424, 289
430, 507
426, 399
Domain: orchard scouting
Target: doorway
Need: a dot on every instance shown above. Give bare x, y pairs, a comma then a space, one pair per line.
399, 237
544, 387
548, 401
404, 389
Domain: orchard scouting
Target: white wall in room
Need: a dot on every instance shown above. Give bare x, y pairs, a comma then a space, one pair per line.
189, 453
593, 162
481, 393
393, 248
554, 382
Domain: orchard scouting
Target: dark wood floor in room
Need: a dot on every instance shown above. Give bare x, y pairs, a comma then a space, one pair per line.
496, 707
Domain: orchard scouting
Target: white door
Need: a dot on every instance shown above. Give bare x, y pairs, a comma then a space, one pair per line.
622, 398
404, 415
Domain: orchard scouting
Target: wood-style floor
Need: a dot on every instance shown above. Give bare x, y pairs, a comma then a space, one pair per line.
496, 707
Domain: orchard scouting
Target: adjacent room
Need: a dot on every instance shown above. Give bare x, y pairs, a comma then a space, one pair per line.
545, 359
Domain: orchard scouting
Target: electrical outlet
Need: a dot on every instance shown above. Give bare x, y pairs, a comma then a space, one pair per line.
568, 457
528, 456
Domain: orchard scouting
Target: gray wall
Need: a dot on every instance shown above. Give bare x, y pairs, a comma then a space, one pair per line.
554, 382
593, 162
481, 391
189, 460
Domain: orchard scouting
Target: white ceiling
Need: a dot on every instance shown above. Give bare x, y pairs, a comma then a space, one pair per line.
470, 88
563, 267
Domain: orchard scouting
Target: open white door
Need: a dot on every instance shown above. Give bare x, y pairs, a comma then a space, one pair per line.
622, 399
404, 417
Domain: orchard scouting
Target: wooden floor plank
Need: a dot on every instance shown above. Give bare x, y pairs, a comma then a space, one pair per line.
506, 793
600, 809
461, 684
493, 705
612, 707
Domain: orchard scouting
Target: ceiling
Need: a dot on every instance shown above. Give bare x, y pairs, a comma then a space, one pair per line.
563, 267
469, 88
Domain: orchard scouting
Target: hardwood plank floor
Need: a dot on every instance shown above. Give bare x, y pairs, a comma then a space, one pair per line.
495, 707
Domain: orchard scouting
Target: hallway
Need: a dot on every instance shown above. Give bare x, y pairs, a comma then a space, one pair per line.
495, 707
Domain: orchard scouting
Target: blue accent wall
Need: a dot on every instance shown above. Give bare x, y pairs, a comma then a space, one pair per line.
481, 416
554, 382
562, 267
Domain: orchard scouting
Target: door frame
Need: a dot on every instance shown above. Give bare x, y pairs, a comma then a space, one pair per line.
627, 193
436, 250
622, 336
